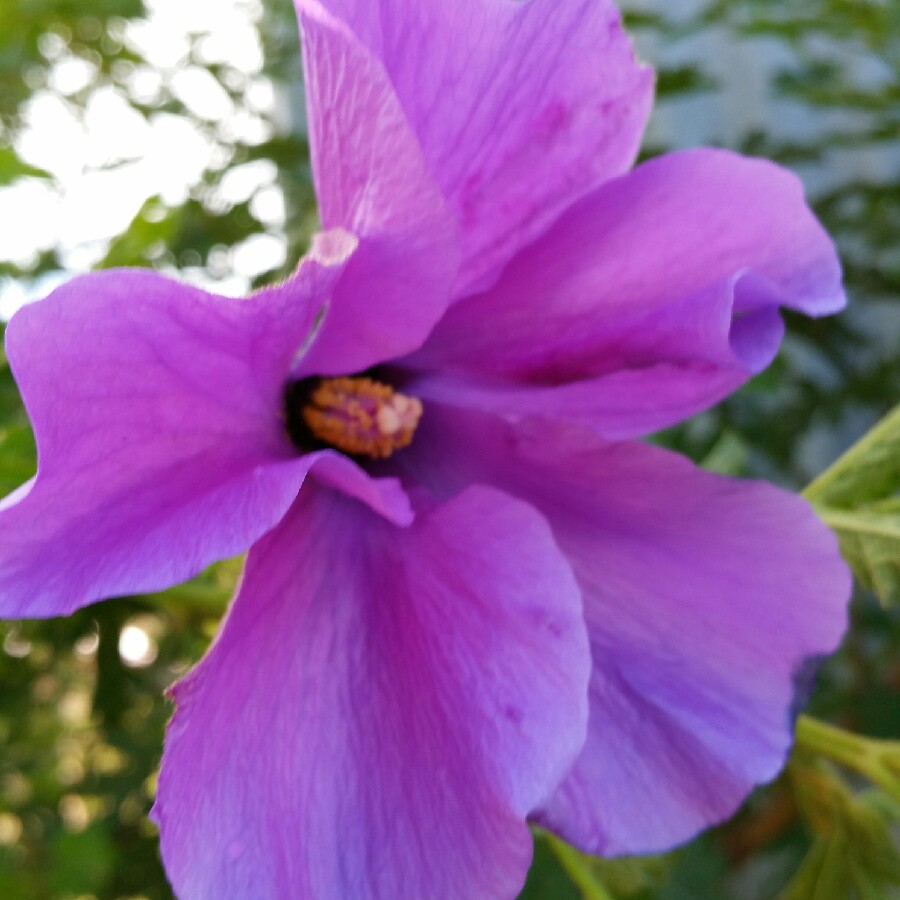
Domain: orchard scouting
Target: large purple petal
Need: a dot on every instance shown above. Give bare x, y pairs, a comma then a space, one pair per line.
519, 108
707, 600
158, 414
372, 179
650, 300
381, 710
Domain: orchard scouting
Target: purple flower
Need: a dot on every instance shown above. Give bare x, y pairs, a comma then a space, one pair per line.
470, 599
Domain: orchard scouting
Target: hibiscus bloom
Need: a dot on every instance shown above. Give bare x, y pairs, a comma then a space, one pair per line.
471, 598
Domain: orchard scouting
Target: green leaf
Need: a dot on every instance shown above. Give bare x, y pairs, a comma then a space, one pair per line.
17, 458
13, 167
17, 451
870, 542
854, 853
80, 861
11, 412
824, 874
859, 497
877, 855
869, 471
728, 456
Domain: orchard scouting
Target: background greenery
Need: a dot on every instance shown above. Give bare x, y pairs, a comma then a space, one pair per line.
814, 84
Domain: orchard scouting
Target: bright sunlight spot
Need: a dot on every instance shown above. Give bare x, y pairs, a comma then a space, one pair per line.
136, 647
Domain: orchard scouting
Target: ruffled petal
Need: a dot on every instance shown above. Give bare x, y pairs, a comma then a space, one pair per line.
158, 414
650, 300
519, 108
384, 496
708, 601
372, 179
381, 710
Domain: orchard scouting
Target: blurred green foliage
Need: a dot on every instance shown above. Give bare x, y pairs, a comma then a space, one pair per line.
81, 722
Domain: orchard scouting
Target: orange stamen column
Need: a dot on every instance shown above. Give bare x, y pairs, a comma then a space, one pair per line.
361, 416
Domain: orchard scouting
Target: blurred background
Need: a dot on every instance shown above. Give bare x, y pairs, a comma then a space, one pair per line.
170, 134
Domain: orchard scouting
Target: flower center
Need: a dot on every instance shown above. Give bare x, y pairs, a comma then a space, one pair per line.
361, 416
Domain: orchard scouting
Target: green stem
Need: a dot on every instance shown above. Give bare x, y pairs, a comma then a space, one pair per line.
841, 746
878, 760
578, 870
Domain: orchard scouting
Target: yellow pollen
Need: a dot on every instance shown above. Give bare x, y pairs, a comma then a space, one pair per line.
362, 416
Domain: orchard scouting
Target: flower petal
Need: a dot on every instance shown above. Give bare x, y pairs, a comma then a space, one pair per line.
650, 300
372, 179
381, 710
384, 496
519, 108
158, 414
706, 600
